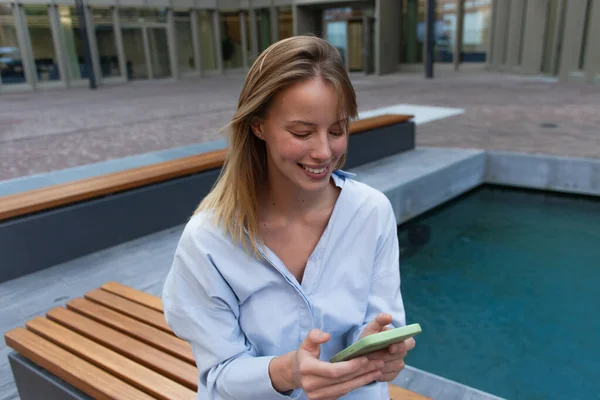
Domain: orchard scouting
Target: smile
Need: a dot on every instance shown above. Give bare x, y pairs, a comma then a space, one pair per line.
315, 170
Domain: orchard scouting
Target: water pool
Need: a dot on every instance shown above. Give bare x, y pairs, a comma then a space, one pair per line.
507, 291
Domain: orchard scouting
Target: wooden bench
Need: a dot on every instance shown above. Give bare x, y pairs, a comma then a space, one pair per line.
113, 343
64, 194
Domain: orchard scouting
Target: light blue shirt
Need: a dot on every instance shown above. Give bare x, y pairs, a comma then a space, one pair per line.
239, 312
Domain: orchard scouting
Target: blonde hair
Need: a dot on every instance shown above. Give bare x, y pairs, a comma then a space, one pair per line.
233, 199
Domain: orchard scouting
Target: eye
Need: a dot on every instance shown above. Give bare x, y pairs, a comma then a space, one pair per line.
337, 133
300, 134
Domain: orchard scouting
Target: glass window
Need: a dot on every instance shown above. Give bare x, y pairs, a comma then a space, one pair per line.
133, 15
231, 40
263, 20
286, 28
159, 52
414, 31
11, 65
207, 40
40, 33
135, 53
106, 41
445, 30
476, 30
69, 25
185, 44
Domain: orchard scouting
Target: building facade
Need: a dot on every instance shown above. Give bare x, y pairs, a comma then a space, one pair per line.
41, 42
558, 38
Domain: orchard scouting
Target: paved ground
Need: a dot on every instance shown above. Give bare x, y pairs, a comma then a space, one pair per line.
40, 132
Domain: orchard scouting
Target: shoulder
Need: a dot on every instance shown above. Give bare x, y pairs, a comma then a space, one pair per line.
202, 234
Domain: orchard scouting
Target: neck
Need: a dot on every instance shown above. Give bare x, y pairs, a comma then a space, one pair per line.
282, 197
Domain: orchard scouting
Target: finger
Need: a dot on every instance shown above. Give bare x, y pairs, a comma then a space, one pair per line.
385, 355
402, 347
339, 389
377, 325
316, 382
336, 370
312, 342
394, 366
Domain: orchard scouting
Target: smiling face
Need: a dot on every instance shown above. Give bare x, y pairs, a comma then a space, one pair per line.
304, 135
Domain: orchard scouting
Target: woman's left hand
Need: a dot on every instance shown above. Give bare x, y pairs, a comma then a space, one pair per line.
394, 354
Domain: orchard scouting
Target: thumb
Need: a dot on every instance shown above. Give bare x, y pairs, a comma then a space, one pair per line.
377, 325
312, 342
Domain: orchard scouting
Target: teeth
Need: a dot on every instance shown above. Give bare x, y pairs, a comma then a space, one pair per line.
315, 171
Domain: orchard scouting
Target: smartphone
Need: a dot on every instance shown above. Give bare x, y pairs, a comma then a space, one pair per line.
376, 342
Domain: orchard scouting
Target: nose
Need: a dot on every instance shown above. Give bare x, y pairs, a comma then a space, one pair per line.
321, 148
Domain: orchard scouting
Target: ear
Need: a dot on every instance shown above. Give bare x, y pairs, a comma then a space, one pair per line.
256, 124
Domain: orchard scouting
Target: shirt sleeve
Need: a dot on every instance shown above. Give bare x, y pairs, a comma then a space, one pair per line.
202, 309
384, 295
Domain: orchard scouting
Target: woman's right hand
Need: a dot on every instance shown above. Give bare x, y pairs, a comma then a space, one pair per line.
322, 380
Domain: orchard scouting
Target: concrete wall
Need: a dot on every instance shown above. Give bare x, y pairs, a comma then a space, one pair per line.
592, 64
500, 35
387, 35
572, 37
533, 38
515, 33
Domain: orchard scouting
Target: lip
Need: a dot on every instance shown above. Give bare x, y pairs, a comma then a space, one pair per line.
314, 176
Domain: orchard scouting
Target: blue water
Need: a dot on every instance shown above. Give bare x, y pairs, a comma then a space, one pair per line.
507, 291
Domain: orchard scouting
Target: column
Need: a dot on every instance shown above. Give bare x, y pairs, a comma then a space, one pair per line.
387, 36
515, 33
119, 43
172, 43
572, 38
91, 32
58, 47
592, 62
274, 15
253, 32
501, 14
24, 44
533, 36
458, 39
216, 15
244, 39
196, 40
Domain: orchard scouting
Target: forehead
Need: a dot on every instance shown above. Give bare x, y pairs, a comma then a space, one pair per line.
313, 100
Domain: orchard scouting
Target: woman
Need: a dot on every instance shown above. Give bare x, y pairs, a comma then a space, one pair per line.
288, 260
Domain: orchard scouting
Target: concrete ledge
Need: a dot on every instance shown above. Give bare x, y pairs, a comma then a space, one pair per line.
545, 172
420, 180
437, 387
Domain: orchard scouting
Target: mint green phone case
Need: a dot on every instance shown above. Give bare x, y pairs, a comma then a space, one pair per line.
376, 342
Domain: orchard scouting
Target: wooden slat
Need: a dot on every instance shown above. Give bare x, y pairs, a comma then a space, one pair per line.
122, 367
129, 308
399, 393
134, 295
379, 121
83, 375
32, 201
72, 192
171, 367
147, 334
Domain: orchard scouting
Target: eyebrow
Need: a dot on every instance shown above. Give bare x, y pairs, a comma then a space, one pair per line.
312, 123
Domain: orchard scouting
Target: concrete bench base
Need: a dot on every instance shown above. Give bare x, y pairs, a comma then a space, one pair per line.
35, 383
